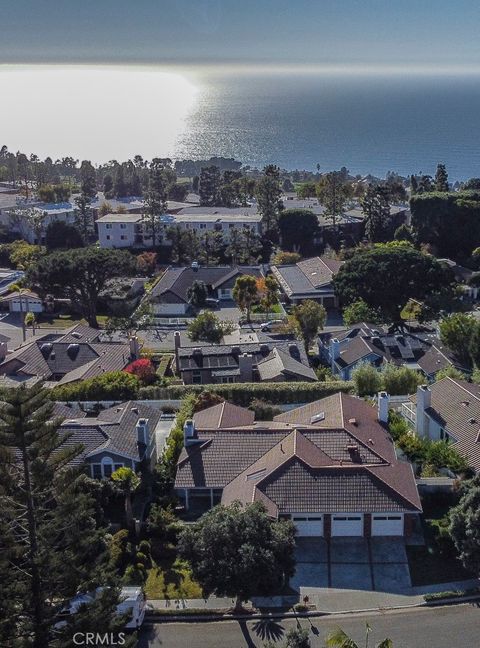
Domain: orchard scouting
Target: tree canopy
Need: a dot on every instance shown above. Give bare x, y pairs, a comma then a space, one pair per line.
239, 552
207, 327
307, 318
386, 276
465, 526
80, 275
297, 229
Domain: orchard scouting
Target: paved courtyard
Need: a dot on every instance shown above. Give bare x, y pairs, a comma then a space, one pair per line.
376, 564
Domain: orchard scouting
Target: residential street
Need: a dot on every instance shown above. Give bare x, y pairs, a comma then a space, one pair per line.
444, 627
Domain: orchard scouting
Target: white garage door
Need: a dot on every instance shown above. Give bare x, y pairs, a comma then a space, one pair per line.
308, 525
387, 524
347, 524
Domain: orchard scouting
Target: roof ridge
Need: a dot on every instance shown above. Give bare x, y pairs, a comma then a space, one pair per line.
457, 382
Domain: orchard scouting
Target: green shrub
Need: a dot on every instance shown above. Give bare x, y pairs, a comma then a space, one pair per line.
145, 547
397, 425
243, 393
400, 380
163, 366
367, 380
135, 575
264, 411
113, 385
141, 558
120, 549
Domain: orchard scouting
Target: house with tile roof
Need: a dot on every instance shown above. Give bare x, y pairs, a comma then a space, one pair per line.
59, 358
362, 343
243, 356
123, 435
170, 295
448, 410
308, 279
329, 466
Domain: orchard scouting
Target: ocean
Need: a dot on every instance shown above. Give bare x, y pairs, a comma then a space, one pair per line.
368, 123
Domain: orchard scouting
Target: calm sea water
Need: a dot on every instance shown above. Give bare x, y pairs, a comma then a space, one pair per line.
369, 124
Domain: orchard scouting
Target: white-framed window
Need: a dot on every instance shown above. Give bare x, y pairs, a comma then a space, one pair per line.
108, 226
123, 226
203, 226
123, 237
105, 468
197, 378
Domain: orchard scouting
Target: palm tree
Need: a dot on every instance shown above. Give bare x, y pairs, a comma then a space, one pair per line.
128, 482
338, 638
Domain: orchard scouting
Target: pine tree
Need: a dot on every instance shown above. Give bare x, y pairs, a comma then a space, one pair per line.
441, 178
50, 547
119, 185
209, 186
376, 209
88, 179
268, 193
155, 202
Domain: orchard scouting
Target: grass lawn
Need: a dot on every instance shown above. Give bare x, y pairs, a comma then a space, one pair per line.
171, 580
427, 564
58, 321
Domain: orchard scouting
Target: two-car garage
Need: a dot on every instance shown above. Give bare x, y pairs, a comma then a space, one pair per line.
349, 524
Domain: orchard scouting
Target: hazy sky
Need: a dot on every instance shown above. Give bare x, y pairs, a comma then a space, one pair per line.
414, 32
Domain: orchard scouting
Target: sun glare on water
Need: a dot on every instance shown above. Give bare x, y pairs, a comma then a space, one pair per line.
96, 113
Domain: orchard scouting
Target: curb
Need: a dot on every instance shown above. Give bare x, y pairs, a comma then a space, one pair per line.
151, 617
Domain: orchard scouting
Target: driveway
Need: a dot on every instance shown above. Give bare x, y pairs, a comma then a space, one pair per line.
375, 564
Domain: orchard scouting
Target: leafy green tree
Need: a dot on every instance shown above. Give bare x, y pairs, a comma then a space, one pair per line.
298, 638
400, 380
268, 193
243, 245
359, 311
426, 184
307, 190
207, 327
155, 203
450, 372
411, 275
297, 229
403, 233
286, 258
209, 186
120, 189
471, 185
108, 186
271, 292
465, 526
239, 552
333, 192
128, 482
51, 547
338, 638
28, 221
245, 293
211, 244
448, 222
61, 235
474, 345
80, 275
456, 332
308, 318
441, 178
197, 294
367, 379
376, 209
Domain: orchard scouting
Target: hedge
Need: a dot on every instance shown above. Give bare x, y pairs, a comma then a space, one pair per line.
244, 393
112, 385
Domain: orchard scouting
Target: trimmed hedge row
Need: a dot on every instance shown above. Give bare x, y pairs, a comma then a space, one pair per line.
244, 393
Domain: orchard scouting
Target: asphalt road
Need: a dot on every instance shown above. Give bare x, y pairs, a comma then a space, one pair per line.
455, 626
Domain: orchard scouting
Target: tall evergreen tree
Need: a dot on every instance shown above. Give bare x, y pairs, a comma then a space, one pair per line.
155, 202
209, 186
333, 191
119, 184
49, 535
376, 209
268, 193
83, 215
441, 178
88, 178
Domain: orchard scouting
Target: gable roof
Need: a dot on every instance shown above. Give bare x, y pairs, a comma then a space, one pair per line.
178, 280
77, 354
455, 405
306, 278
113, 430
344, 461
279, 364
223, 415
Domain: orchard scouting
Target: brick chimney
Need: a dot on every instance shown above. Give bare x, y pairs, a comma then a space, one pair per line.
134, 347
382, 404
334, 351
245, 364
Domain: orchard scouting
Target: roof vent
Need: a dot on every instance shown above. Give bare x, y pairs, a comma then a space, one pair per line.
76, 334
472, 420
316, 418
353, 421
465, 403
197, 351
135, 410
371, 442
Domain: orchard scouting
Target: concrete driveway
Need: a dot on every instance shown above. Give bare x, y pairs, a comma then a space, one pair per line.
375, 564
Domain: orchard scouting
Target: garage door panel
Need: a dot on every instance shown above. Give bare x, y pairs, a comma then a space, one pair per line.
387, 524
347, 524
308, 525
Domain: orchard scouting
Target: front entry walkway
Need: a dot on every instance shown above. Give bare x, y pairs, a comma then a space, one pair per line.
375, 564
